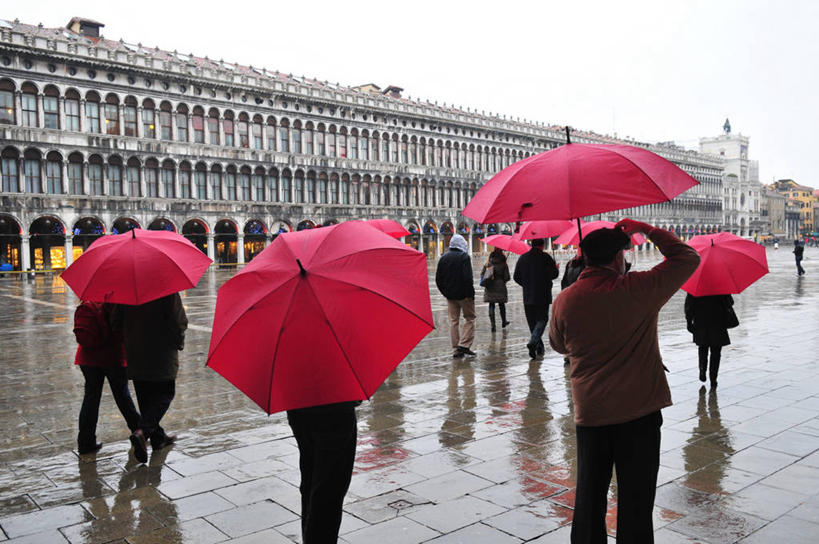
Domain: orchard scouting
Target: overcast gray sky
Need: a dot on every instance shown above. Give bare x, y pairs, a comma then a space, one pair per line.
654, 70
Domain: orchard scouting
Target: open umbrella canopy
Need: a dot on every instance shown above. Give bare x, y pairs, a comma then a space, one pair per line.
728, 264
571, 237
507, 242
320, 316
388, 226
530, 230
136, 267
576, 180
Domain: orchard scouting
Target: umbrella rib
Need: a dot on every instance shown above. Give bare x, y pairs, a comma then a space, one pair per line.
376, 293
278, 344
338, 342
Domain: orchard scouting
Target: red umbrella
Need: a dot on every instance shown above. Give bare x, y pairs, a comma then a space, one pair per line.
393, 228
136, 267
571, 237
728, 264
507, 242
577, 180
544, 229
320, 316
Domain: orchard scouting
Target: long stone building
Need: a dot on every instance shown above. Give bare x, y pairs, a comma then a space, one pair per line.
99, 136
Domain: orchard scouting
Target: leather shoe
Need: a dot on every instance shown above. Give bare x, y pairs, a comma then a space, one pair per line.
167, 440
140, 446
532, 351
93, 448
466, 351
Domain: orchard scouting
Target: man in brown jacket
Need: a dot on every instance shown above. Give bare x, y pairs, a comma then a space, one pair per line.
607, 324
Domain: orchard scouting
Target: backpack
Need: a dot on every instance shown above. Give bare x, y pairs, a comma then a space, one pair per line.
91, 327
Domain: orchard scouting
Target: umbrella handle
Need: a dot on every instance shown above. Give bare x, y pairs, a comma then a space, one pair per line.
568, 135
302, 271
579, 231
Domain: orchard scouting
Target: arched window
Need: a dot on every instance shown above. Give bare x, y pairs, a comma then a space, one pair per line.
168, 185
308, 138
185, 179
227, 125
230, 183
148, 119
198, 122
296, 136
273, 185
7, 102
404, 151
111, 114
270, 133
258, 184
114, 176
299, 187
345, 189
54, 173
11, 183
165, 121
51, 107
413, 151
95, 175
243, 130
320, 144
182, 123
216, 182
130, 116
31, 171
92, 112
331, 141
385, 148
200, 181
394, 148
257, 132
132, 176
354, 188
244, 183
75, 181
364, 146
29, 105
341, 143
213, 127
284, 136
366, 197
72, 110
322, 188
287, 194
352, 144
151, 178
334, 190
310, 189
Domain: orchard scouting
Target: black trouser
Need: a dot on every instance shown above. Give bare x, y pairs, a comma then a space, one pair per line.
537, 316
95, 377
633, 448
799, 269
716, 355
501, 309
326, 454
154, 400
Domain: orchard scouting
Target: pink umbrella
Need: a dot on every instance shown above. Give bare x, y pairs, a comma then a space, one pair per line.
507, 242
393, 228
544, 229
572, 235
728, 264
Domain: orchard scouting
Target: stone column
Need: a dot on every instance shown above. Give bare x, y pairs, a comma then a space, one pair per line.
25, 252
18, 108
69, 249
83, 120
40, 111
139, 131
64, 176
121, 118
211, 246
222, 131
240, 247
43, 173
61, 112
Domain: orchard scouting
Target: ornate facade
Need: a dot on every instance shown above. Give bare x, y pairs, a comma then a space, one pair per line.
100, 136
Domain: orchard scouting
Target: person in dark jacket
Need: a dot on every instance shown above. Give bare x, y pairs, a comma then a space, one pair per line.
154, 334
454, 280
326, 437
707, 319
534, 272
100, 356
496, 273
799, 251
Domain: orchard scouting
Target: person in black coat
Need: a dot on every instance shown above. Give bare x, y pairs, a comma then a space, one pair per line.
535, 271
496, 274
707, 319
454, 280
799, 251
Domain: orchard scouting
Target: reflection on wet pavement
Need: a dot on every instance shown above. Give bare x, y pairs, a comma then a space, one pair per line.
472, 450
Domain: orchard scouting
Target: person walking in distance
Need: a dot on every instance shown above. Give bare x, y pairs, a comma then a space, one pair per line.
607, 323
708, 319
494, 275
154, 335
798, 252
453, 277
535, 271
100, 356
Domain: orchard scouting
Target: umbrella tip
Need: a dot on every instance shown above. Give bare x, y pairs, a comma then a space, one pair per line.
302, 271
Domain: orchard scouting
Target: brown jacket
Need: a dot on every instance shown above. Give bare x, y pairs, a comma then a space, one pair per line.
607, 324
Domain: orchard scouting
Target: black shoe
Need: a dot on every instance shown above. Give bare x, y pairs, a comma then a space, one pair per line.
458, 355
493, 328
165, 441
93, 448
466, 351
505, 324
541, 351
532, 351
140, 446
702, 375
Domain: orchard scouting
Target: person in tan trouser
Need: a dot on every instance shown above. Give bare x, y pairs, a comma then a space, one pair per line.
454, 280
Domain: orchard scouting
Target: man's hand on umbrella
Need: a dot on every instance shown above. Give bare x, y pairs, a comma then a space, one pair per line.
630, 226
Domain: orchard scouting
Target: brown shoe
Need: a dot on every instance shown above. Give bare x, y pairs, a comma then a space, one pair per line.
167, 440
140, 446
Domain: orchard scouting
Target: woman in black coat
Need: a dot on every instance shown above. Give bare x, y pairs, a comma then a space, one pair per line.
496, 273
708, 319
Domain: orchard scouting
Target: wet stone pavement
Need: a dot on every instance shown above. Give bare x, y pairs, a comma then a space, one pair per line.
478, 450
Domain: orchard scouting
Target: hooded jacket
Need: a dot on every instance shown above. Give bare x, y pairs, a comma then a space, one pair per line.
453, 277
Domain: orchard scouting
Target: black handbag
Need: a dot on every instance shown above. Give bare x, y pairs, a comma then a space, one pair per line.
731, 319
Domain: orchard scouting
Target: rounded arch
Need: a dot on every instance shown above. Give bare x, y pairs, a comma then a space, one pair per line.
162, 223
305, 224
47, 243
124, 224
196, 231
10, 243
430, 227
